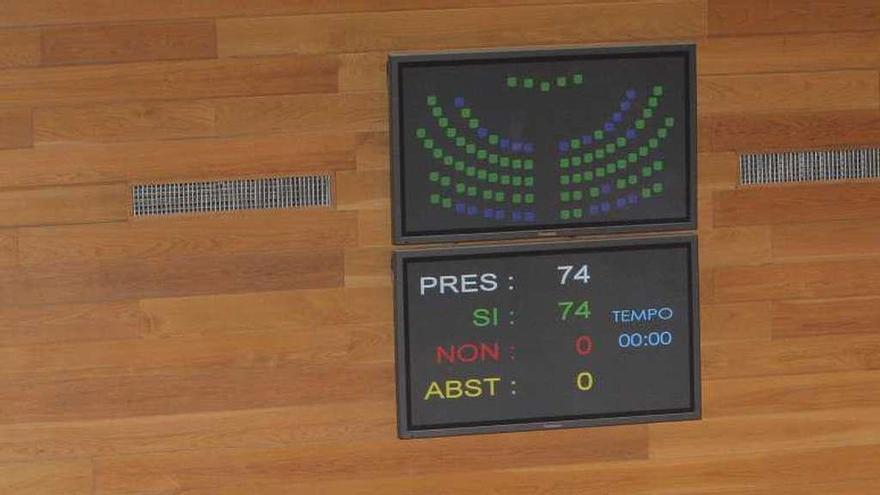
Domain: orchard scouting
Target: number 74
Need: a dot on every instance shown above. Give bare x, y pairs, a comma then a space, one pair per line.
581, 309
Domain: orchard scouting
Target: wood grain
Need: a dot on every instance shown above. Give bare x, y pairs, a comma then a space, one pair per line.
791, 16
53, 324
825, 317
64, 205
69, 477
843, 238
16, 128
128, 42
431, 29
19, 48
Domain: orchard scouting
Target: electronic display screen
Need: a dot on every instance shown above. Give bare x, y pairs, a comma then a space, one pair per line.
507, 144
546, 336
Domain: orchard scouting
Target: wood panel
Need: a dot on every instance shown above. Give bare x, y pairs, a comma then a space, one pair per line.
128, 43
252, 352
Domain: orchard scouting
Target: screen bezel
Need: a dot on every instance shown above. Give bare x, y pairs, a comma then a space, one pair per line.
405, 430
396, 62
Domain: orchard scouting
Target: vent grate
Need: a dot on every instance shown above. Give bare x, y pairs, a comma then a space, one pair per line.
231, 195
808, 166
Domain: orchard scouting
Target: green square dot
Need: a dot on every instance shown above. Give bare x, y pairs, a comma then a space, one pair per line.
493, 139
505, 179
472, 191
459, 165
517, 163
448, 160
621, 164
516, 198
577, 195
528, 83
646, 193
575, 144
505, 161
647, 113
434, 176
594, 192
632, 179
598, 135
577, 78
632, 157
561, 81
465, 113
662, 133
653, 102
564, 214
657, 91
437, 111
482, 154
640, 124
435, 199
600, 153
460, 141
470, 149
437, 153
473, 123
451, 132
447, 203
621, 142
512, 82
577, 178
545, 86
493, 178
499, 196
657, 188
487, 194
428, 143
482, 174
600, 172
588, 175
529, 181
530, 198
460, 188
432, 100
565, 196
445, 181
493, 158
588, 158
610, 148
421, 132
621, 183
577, 213
564, 163
610, 168
658, 165
517, 180
576, 161
643, 151
564, 180
646, 171
470, 171
528, 164
670, 121
653, 143
443, 122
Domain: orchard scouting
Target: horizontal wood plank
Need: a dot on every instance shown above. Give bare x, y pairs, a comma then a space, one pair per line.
368, 267
68, 477
363, 190
735, 246
791, 16
825, 317
796, 92
363, 72
287, 74
72, 323
128, 42
140, 121
735, 322
19, 48
843, 238
789, 130
16, 128
64, 205
461, 28
175, 160
773, 205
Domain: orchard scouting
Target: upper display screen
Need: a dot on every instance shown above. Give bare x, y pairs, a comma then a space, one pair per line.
508, 144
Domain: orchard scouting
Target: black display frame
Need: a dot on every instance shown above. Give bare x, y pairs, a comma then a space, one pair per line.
396, 61
404, 428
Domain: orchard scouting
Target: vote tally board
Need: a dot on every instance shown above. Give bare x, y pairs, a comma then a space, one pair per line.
515, 144
546, 336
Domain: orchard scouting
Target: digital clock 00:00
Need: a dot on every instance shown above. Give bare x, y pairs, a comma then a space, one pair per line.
652, 339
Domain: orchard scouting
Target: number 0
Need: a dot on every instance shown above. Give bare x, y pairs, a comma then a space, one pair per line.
585, 381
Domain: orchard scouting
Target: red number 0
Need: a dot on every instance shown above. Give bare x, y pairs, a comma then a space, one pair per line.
583, 345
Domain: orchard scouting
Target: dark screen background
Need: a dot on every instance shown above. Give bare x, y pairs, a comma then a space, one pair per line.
541, 119
538, 351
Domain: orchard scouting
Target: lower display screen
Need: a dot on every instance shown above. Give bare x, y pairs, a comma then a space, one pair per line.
546, 336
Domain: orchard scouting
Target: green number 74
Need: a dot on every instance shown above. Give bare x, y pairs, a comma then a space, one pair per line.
581, 309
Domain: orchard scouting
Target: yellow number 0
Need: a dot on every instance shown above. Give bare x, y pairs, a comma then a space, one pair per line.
585, 381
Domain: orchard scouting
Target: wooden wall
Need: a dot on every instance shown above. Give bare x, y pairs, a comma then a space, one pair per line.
251, 353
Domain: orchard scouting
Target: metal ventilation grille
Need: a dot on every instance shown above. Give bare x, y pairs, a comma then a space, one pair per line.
230, 195
805, 166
